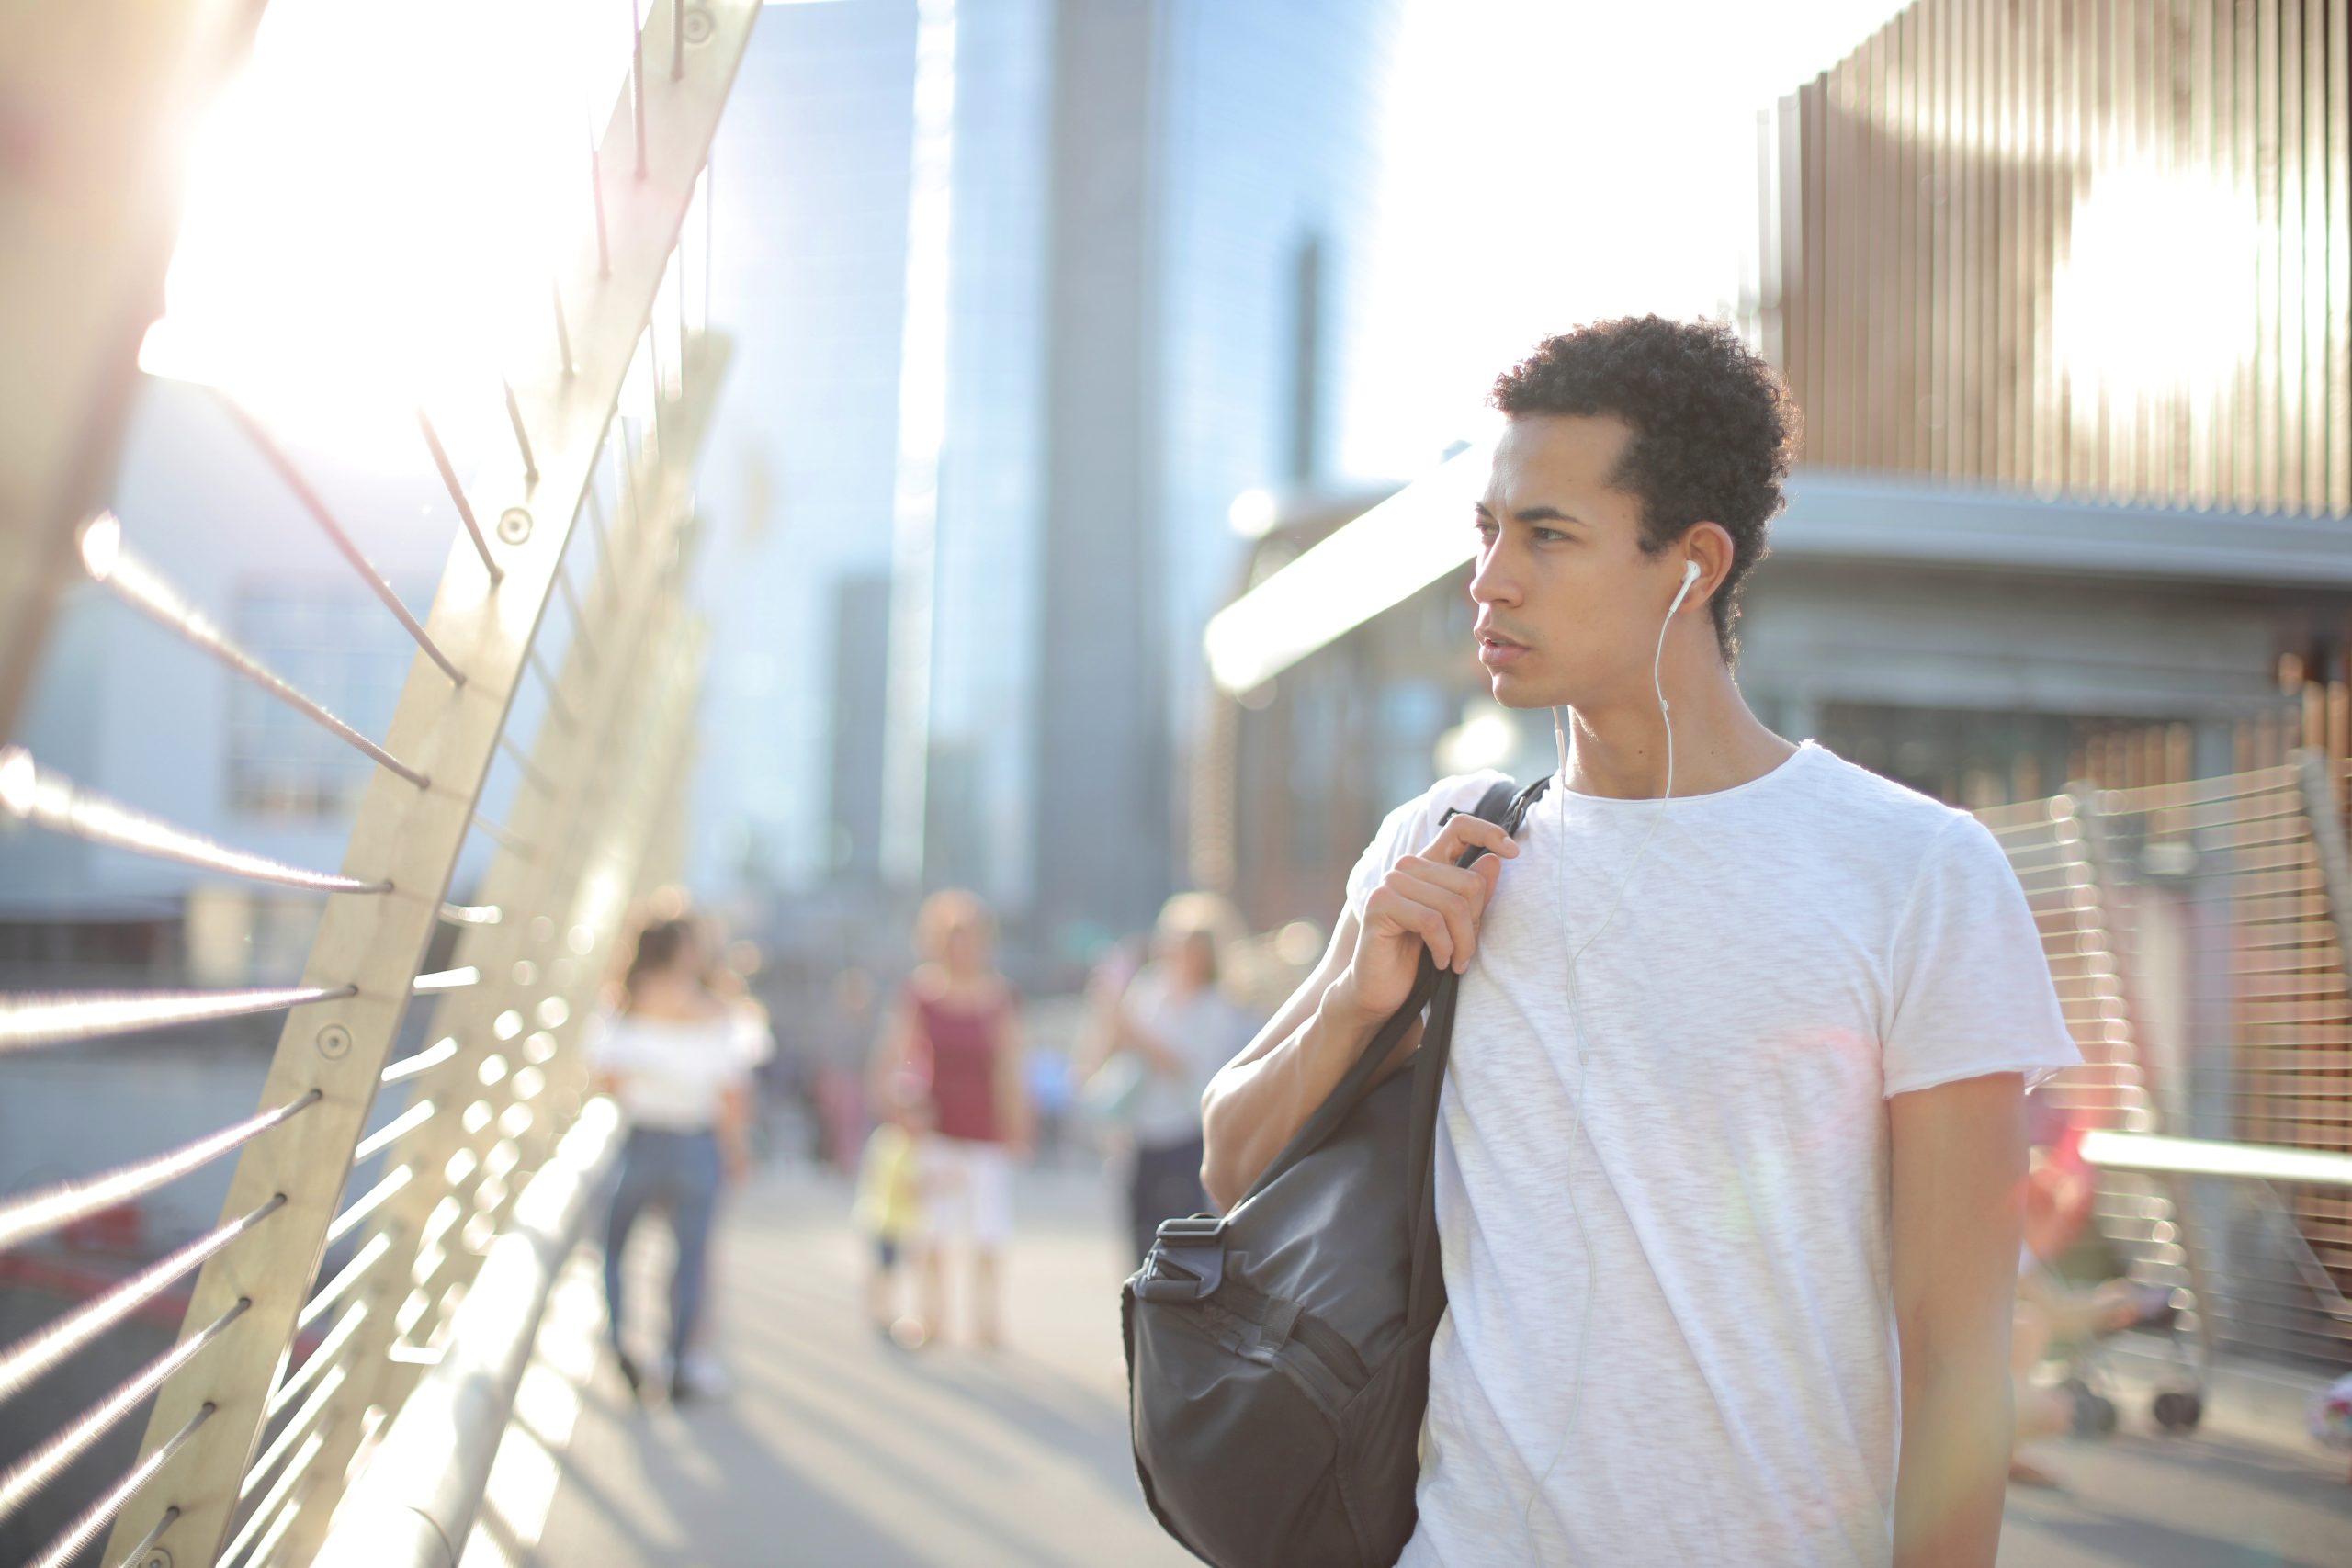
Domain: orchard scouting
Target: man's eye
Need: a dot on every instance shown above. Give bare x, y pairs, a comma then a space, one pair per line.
1486, 529
1549, 536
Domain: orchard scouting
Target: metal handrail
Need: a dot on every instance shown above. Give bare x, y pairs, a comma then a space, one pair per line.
2205, 1157
415, 1504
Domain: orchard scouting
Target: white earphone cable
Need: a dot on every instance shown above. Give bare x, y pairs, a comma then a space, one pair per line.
1575, 1014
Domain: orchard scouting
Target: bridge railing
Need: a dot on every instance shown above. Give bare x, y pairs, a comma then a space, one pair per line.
353, 1271
2197, 935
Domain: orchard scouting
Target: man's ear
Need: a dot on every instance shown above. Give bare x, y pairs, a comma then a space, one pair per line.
1710, 546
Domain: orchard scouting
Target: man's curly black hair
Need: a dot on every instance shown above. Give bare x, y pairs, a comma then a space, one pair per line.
1715, 430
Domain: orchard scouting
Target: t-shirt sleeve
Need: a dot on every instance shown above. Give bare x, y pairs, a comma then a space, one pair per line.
1409, 829
753, 1039
1971, 993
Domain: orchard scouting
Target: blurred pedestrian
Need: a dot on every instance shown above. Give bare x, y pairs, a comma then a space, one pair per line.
678, 1059
1174, 1027
837, 1079
957, 1029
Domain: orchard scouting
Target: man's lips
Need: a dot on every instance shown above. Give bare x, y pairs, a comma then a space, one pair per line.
1496, 650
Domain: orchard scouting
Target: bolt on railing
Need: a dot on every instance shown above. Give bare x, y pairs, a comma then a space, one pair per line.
347, 1243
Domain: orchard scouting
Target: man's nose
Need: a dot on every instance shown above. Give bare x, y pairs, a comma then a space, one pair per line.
1492, 582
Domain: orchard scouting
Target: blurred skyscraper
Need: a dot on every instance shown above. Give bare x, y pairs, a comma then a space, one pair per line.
1156, 220
808, 181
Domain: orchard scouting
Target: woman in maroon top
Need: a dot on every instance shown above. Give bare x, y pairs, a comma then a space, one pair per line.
957, 1031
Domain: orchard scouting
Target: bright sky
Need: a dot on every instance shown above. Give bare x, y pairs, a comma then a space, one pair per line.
374, 206
1557, 160
372, 212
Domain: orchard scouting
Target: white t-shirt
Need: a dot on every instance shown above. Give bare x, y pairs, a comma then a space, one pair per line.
1789, 952
1204, 1029
671, 1072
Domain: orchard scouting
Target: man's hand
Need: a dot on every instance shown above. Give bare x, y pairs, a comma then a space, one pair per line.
1425, 900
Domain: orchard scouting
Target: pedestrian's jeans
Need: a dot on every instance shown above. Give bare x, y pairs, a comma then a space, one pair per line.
678, 1173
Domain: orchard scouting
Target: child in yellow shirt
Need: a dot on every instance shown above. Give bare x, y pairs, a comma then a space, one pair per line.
889, 1211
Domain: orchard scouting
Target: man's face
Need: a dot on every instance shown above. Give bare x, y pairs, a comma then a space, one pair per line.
1569, 606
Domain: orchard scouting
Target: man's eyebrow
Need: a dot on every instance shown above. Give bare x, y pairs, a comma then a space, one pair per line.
1531, 514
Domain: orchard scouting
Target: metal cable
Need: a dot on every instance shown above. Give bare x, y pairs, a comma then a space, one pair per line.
137, 1556
271, 1514
596, 514
300, 1424
581, 639
33, 1019
532, 772
422, 1061
556, 704
25, 1361
320, 1360
507, 838
458, 494
562, 328
41, 1466
597, 194
39, 1212
522, 436
316, 505
636, 80
112, 565
383, 1137
375, 1199
48, 800
335, 1289
100, 1514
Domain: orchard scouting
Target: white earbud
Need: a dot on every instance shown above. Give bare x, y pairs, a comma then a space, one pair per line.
1690, 572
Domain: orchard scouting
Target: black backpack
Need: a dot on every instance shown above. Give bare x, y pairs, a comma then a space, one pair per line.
1278, 1355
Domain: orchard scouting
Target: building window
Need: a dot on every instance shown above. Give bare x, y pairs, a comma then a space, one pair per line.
340, 649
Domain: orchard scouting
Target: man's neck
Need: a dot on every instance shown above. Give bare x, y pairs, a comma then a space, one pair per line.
1618, 751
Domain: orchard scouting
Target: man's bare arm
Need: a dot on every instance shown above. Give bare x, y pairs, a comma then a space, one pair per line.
1263, 1096
1958, 1155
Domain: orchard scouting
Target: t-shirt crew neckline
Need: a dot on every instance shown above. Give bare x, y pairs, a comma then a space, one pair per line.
1792, 763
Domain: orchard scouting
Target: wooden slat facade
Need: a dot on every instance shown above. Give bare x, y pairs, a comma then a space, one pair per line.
1965, 211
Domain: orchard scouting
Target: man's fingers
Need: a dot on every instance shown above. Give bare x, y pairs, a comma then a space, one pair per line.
1473, 882
1466, 831
1456, 895
1405, 912
1456, 912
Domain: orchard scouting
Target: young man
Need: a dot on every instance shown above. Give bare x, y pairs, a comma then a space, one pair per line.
1729, 1155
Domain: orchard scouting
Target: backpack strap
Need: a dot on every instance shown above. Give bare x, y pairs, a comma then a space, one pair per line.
1425, 1297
